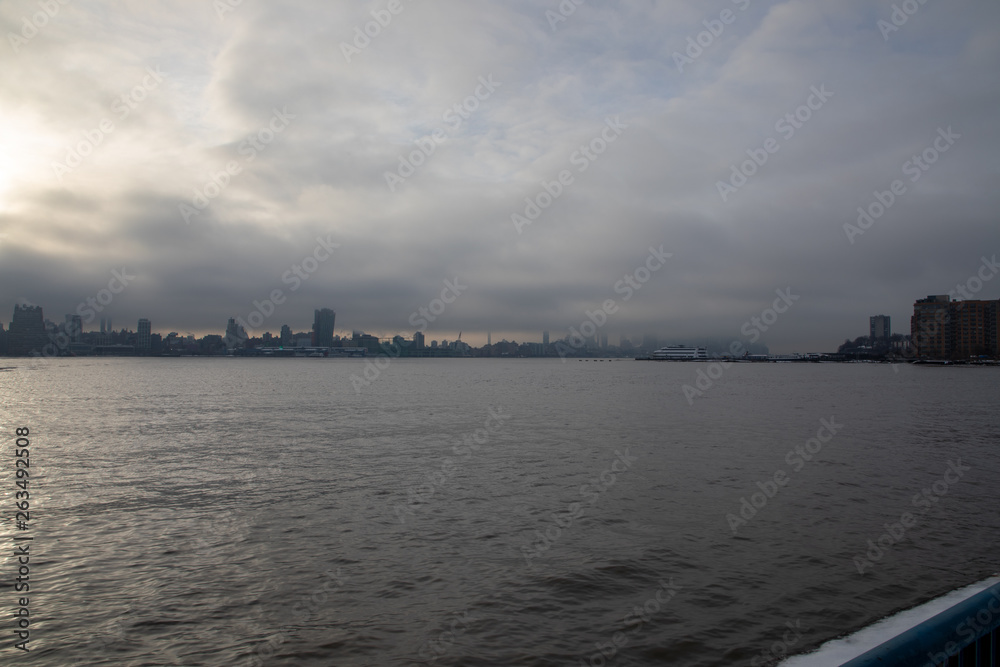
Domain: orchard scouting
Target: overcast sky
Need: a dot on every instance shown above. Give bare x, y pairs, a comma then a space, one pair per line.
115, 117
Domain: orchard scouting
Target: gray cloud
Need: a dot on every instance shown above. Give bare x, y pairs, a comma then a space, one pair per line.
324, 174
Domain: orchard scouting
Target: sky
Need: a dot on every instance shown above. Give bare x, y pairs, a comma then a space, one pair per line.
668, 167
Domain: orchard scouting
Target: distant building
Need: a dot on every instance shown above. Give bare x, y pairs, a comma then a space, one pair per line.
366, 341
211, 344
976, 325
73, 328
545, 338
880, 329
360, 339
929, 327
418, 341
236, 335
944, 329
142, 338
286, 336
323, 321
27, 331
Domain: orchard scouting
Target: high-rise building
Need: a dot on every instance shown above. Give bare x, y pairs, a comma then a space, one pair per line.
286, 336
930, 327
27, 331
944, 329
236, 335
975, 330
142, 339
418, 341
880, 328
545, 338
77, 326
322, 330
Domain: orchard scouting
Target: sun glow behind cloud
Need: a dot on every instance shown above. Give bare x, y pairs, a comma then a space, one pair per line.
325, 173
24, 144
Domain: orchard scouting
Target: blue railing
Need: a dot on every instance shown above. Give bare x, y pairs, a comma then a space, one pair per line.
966, 635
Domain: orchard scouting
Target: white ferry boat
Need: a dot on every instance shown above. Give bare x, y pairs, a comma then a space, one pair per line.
680, 353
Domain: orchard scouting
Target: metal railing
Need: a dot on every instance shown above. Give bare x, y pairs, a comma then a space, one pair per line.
966, 635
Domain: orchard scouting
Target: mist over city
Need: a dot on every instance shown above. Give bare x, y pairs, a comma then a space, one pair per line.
209, 149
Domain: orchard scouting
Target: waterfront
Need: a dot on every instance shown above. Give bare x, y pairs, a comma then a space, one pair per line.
494, 512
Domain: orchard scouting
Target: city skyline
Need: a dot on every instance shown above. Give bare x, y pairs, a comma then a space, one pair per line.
739, 150
480, 338
983, 316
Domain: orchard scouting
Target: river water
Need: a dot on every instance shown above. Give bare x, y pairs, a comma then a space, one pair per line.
487, 512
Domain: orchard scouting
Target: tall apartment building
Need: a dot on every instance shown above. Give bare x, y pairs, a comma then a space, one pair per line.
76, 325
322, 333
975, 329
880, 328
236, 335
944, 329
27, 331
142, 339
930, 327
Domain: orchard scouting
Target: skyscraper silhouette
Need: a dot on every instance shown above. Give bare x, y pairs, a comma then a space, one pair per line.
323, 322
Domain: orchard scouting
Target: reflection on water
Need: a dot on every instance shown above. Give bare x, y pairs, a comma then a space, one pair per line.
227, 511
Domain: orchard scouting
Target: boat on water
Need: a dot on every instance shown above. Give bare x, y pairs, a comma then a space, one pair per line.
928, 630
680, 353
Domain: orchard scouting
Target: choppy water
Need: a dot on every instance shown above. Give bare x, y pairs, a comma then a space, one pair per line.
259, 511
